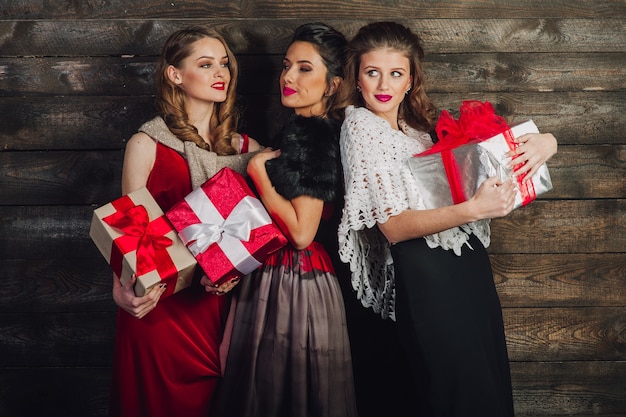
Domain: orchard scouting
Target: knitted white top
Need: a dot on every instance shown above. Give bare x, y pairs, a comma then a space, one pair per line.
379, 184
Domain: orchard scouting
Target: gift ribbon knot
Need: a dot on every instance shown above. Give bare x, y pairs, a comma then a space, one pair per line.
140, 234
247, 215
477, 121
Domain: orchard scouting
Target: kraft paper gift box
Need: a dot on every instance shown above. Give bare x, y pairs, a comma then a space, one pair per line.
226, 227
134, 236
452, 172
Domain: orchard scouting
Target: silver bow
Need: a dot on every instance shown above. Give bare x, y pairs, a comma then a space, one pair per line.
247, 215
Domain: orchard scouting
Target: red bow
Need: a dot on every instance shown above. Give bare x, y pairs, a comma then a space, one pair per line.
140, 234
477, 121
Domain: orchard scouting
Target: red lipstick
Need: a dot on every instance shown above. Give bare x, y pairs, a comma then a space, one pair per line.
219, 86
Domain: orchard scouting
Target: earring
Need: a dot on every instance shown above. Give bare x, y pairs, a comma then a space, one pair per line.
358, 88
407, 91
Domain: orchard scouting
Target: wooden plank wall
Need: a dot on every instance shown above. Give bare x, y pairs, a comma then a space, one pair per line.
76, 80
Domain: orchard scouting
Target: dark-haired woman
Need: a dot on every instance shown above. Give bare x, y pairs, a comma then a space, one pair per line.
289, 353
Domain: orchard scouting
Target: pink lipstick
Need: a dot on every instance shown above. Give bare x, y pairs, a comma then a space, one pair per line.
383, 97
287, 91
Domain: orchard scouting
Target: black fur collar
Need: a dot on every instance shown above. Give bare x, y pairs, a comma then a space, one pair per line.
309, 163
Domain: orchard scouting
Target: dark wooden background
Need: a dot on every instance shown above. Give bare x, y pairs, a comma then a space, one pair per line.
76, 80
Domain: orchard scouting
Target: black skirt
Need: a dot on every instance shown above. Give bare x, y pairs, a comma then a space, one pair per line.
449, 321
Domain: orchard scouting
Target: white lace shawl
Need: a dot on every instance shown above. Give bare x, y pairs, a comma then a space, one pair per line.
379, 185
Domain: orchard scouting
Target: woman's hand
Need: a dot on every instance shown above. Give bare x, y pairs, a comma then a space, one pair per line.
124, 296
494, 198
534, 150
221, 289
256, 165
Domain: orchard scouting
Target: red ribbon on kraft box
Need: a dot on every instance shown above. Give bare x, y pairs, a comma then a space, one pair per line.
140, 234
134, 236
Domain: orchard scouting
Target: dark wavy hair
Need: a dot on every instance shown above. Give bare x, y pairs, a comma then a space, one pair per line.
417, 110
331, 45
171, 98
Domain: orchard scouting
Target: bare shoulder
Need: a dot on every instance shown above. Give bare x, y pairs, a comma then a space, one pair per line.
140, 141
139, 159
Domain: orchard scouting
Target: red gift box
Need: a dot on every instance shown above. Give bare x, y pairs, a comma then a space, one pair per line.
470, 150
134, 236
226, 227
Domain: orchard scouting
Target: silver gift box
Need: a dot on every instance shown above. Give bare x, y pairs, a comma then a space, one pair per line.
476, 162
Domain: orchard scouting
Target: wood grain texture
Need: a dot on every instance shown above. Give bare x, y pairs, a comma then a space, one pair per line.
71, 123
67, 339
77, 80
55, 391
547, 280
66, 177
571, 388
94, 37
106, 122
533, 334
74, 284
568, 334
65, 284
569, 226
93, 177
197, 9
504, 72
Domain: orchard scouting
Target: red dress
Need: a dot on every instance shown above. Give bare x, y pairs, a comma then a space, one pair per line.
167, 363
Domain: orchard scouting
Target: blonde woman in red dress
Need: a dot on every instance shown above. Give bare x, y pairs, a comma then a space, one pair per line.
166, 358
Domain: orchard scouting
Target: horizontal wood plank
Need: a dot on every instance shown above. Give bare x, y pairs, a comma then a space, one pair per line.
582, 389
70, 284
533, 334
544, 389
271, 36
55, 123
55, 392
197, 9
543, 227
62, 285
569, 334
542, 280
571, 226
57, 339
65, 177
106, 122
445, 73
93, 177
46, 232
440, 9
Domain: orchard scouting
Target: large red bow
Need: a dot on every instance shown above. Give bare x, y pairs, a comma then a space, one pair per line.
140, 234
477, 122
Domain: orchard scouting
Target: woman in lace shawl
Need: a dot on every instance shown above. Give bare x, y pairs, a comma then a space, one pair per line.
427, 269
166, 354
289, 353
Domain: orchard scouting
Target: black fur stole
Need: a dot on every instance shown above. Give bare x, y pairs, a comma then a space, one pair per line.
309, 162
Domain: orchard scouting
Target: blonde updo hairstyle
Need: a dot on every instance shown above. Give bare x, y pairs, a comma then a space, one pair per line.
170, 98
